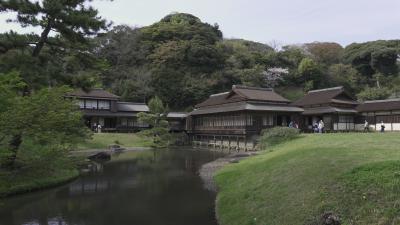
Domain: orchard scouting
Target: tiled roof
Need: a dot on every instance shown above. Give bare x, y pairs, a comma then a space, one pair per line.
243, 93
379, 105
240, 106
328, 95
96, 93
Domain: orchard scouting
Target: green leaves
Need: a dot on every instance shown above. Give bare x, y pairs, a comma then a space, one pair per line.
45, 118
156, 118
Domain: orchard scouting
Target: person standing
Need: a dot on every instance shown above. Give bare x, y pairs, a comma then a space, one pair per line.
366, 126
99, 128
321, 126
382, 127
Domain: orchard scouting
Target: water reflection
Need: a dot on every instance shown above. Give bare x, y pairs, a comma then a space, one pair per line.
143, 188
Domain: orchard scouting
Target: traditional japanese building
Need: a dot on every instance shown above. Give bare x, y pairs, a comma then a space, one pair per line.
376, 112
101, 107
240, 115
335, 107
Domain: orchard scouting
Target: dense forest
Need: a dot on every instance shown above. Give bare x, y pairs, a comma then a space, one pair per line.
183, 60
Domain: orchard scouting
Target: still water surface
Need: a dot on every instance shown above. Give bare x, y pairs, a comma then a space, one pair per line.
155, 187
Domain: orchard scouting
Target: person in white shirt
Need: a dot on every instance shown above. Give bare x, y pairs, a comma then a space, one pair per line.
321, 126
99, 128
366, 126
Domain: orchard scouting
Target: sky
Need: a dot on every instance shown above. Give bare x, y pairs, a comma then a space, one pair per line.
278, 22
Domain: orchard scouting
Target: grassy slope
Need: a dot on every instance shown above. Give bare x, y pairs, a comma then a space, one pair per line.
34, 180
354, 175
103, 140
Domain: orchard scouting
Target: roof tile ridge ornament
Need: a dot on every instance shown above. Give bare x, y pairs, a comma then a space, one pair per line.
327, 89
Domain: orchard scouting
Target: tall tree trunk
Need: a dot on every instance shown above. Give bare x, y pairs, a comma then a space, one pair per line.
43, 39
14, 145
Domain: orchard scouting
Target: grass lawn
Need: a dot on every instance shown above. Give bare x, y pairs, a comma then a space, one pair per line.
33, 180
354, 175
103, 140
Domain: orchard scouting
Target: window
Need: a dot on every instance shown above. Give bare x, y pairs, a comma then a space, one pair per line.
249, 120
124, 122
268, 120
130, 122
81, 103
104, 104
91, 104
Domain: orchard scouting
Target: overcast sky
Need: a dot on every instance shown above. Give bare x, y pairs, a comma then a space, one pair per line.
283, 21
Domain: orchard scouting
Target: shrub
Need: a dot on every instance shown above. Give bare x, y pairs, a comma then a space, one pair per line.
277, 135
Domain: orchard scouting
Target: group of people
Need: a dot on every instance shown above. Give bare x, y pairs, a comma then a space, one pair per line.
97, 128
293, 125
319, 127
366, 126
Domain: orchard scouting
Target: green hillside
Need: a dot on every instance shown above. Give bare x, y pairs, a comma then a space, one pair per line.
355, 176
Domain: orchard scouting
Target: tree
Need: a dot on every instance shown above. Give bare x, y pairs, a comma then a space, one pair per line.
44, 118
326, 53
346, 76
373, 57
72, 21
373, 93
156, 118
309, 71
274, 76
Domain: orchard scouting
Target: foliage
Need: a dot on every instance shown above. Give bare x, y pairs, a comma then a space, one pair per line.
104, 140
44, 119
326, 53
60, 54
346, 76
373, 93
70, 20
373, 57
156, 118
179, 58
274, 76
277, 135
309, 71
352, 175
34, 180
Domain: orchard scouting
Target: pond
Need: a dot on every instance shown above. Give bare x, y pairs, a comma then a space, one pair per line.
153, 187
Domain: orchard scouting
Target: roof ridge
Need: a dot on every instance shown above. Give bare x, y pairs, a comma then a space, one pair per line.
326, 89
218, 94
383, 100
251, 88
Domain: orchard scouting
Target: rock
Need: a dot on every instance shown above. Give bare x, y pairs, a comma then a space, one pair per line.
100, 156
329, 218
234, 161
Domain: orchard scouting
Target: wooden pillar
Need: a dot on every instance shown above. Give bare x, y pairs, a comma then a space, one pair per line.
229, 143
245, 144
391, 120
237, 143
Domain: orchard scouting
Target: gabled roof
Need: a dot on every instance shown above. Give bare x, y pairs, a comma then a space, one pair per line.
95, 93
243, 93
323, 96
379, 105
132, 107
